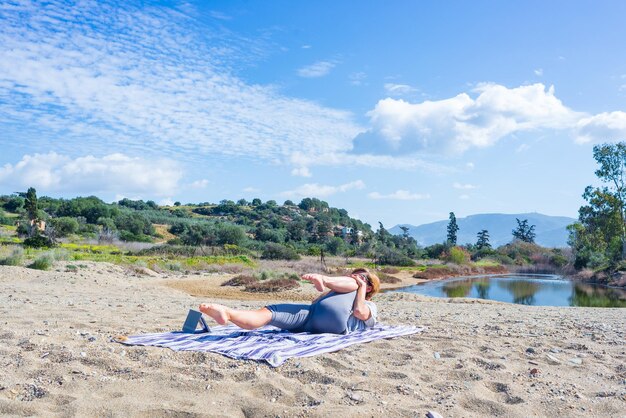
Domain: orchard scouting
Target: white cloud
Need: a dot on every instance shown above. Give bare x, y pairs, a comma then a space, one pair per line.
306, 47
470, 166
251, 190
463, 122
522, 148
319, 190
412, 162
603, 127
199, 184
357, 79
538, 72
168, 201
398, 195
301, 171
219, 15
318, 69
398, 89
114, 173
148, 78
463, 186
464, 197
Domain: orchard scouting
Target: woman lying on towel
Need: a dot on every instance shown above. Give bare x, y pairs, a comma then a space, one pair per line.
346, 307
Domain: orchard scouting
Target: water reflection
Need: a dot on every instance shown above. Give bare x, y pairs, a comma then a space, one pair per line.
598, 297
458, 288
525, 290
482, 288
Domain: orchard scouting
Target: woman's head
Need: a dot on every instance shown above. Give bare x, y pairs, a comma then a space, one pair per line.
373, 282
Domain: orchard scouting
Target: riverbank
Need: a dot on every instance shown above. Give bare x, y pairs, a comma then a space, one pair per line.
476, 358
447, 271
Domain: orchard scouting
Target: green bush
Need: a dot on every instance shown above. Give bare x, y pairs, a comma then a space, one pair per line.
15, 259
174, 266
394, 257
279, 252
5, 220
64, 226
456, 255
43, 262
38, 241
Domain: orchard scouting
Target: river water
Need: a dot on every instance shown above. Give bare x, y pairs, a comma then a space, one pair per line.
524, 289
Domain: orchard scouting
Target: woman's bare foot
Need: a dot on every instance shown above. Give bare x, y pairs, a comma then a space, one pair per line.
316, 279
219, 313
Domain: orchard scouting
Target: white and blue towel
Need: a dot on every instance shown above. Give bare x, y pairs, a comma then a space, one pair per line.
268, 343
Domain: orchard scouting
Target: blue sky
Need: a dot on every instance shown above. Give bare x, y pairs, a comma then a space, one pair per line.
398, 112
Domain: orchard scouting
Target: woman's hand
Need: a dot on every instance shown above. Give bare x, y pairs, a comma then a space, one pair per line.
359, 280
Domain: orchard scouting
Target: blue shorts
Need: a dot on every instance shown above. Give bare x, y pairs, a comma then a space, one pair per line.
329, 314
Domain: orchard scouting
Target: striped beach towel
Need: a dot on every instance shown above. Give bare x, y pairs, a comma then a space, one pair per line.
268, 344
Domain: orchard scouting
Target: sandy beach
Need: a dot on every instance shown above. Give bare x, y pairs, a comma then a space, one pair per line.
475, 359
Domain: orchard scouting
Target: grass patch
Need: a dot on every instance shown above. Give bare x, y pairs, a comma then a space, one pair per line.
43, 262
10, 240
16, 258
486, 263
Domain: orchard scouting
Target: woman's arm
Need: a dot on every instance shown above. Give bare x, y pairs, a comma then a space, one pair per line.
341, 284
360, 310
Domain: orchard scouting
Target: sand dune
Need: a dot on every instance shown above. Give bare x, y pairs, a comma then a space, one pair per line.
475, 359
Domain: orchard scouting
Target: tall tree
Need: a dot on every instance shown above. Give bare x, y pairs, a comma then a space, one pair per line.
453, 228
405, 232
612, 161
483, 240
31, 204
382, 234
524, 231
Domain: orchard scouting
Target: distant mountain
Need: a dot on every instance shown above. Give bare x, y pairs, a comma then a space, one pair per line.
550, 230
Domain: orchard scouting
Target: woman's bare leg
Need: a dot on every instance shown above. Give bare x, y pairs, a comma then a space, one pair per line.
244, 319
343, 284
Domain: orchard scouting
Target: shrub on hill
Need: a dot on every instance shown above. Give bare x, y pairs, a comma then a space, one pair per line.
393, 257
38, 241
274, 251
64, 226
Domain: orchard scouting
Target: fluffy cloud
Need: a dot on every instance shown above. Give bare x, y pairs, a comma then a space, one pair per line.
463, 122
143, 77
319, 190
318, 69
399, 195
114, 173
604, 127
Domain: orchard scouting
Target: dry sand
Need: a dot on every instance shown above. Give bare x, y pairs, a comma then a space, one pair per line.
57, 358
